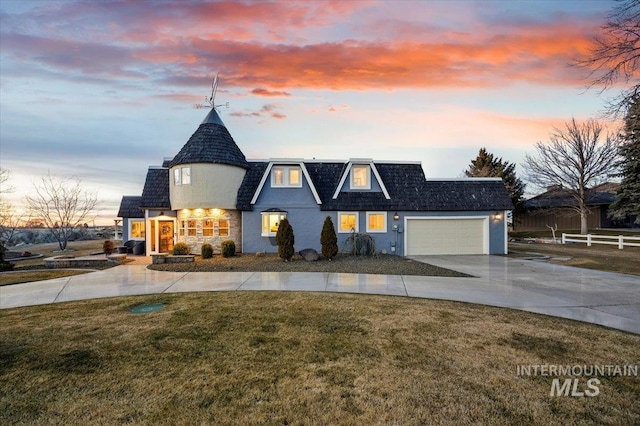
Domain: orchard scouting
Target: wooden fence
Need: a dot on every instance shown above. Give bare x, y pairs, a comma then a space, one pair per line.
613, 240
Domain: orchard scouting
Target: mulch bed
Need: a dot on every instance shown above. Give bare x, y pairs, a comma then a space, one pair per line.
342, 263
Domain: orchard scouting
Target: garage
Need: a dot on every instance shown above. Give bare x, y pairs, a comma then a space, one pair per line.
446, 235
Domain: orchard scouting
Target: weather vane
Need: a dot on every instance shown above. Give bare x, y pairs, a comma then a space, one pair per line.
211, 101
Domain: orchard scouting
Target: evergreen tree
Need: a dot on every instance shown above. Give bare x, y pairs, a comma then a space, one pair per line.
285, 240
328, 239
628, 194
486, 165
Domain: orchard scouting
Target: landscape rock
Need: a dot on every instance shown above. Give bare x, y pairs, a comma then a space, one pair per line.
310, 255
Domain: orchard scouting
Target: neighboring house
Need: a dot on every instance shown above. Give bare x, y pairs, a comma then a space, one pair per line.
554, 206
209, 192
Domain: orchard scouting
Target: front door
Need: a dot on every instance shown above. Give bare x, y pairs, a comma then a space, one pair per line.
165, 227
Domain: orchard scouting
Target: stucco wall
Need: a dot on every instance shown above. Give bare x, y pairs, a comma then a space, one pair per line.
212, 185
307, 225
302, 210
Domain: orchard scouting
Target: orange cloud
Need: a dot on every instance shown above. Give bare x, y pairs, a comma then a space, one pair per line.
269, 93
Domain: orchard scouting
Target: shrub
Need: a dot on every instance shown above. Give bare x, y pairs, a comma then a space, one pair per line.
360, 244
228, 248
285, 240
206, 251
328, 239
4, 265
107, 247
181, 249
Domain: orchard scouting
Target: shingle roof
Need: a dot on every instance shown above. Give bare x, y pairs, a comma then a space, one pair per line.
155, 193
465, 195
250, 184
130, 207
211, 143
406, 184
558, 197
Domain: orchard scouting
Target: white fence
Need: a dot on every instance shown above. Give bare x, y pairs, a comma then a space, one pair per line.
618, 240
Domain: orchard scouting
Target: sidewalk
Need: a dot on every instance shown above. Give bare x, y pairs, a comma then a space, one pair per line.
597, 297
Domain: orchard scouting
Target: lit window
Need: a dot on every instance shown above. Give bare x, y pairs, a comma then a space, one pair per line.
360, 177
191, 228
284, 177
348, 222
278, 176
294, 176
183, 226
182, 176
207, 228
376, 221
270, 223
223, 228
137, 229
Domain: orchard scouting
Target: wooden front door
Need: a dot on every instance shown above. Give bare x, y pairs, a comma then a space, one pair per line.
166, 235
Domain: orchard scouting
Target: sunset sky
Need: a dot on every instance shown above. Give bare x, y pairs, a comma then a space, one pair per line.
101, 89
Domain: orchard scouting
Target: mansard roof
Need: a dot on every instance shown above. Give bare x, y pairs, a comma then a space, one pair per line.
155, 194
405, 183
211, 143
130, 207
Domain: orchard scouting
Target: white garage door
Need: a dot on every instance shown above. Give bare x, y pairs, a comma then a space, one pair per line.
446, 236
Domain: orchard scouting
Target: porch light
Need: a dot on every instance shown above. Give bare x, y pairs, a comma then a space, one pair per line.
497, 215
396, 216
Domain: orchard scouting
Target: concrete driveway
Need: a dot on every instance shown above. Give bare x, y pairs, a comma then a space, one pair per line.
597, 297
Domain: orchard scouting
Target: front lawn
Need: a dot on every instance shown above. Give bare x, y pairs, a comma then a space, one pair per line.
301, 358
600, 257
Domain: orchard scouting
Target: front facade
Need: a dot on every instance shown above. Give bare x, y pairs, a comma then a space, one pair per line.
209, 192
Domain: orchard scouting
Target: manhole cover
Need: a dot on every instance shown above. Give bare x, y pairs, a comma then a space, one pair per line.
145, 309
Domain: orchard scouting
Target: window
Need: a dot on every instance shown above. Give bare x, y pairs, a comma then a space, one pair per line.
207, 228
137, 229
270, 222
376, 221
294, 176
182, 228
223, 228
286, 177
360, 177
347, 222
182, 176
191, 228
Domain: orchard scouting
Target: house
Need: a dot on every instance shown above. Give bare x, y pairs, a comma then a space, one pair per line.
557, 206
209, 192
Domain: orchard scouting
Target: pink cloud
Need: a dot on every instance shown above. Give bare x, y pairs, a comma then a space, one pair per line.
180, 46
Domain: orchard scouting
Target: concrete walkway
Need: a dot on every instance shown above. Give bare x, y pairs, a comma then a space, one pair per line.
597, 297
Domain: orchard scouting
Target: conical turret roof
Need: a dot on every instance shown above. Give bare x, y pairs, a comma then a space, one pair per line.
211, 143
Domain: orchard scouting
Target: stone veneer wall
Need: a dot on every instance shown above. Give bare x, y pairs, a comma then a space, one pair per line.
199, 215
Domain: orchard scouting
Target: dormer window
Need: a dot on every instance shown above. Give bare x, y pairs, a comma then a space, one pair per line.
360, 177
182, 176
286, 177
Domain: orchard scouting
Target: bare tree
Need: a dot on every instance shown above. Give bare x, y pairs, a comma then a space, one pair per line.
576, 159
615, 55
10, 219
62, 204
5, 187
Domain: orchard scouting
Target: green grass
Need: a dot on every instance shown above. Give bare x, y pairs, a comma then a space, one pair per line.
29, 276
300, 358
